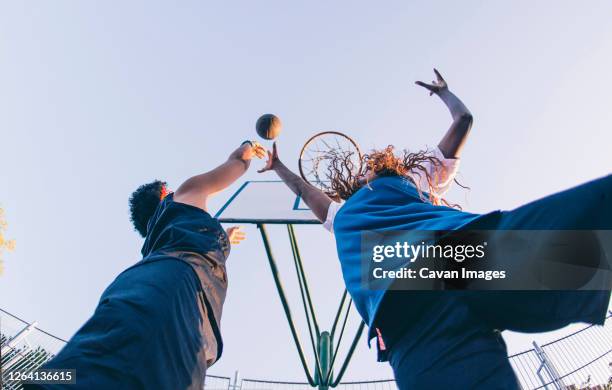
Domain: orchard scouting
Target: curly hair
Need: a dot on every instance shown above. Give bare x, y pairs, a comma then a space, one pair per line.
144, 202
345, 180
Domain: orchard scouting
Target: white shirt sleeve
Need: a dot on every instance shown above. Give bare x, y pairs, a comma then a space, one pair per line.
332, 210
441, 176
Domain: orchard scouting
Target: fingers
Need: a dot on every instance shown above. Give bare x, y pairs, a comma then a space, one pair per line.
268, 163
236, 236
438, 75
238, 239
430, 88
259, 150
436, 86
274, 151
424, 85
231, 229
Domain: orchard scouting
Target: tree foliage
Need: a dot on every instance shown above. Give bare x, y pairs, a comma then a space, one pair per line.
5, 244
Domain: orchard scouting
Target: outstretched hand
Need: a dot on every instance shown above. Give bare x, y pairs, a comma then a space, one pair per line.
435, 86
248, 150
254, 150
272, 160
235, 235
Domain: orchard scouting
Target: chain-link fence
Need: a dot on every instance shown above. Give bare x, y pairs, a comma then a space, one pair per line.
24, 347
214, 382
581, 360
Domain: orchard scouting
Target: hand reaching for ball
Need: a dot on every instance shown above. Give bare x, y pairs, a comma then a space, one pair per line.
248, 150
273, 160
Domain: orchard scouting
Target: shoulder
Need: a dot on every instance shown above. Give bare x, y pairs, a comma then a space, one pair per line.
172, 213
179, 226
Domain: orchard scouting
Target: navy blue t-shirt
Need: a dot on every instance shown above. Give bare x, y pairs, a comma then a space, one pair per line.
157, 324
192, 235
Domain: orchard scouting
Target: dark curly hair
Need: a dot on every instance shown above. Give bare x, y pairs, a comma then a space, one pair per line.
143, 203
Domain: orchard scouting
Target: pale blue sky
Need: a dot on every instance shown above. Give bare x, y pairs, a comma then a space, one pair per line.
99, 97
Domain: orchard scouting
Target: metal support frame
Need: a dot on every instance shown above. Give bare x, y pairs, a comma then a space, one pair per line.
234, 385
325, 350
551, 370
13, 341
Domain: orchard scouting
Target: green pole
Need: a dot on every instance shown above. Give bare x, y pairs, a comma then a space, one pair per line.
302, 276
283, 298
349, 355
325, 348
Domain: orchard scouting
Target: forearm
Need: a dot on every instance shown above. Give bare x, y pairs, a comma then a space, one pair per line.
196, 190
312, 196
453, 141
454, 104
225, 175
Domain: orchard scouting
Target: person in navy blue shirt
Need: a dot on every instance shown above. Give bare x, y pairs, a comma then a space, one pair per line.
157, 326
446, 339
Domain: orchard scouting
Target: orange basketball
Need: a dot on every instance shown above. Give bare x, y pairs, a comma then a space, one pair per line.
268, 126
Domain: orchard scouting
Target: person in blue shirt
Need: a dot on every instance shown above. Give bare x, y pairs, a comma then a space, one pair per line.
157, 325
446, 339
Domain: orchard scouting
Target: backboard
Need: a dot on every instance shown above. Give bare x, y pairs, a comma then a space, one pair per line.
265, 202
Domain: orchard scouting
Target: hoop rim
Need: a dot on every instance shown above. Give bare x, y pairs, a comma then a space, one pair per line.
311, 139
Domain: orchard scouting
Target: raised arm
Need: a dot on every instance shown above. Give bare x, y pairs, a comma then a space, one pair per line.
314, 197
196, 190
453, 141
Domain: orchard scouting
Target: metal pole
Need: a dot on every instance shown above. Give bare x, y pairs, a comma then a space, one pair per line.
550, 369
234, 386
333, 331
306, 300
349, 355
283, 298
325, 347
298, 260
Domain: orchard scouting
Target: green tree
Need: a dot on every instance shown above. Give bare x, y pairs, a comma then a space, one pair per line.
5, 244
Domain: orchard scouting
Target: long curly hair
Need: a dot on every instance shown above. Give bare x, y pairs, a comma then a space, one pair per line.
345, 179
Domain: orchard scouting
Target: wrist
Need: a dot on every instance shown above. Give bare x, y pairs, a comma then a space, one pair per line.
240, 152
239, 155
277, 165
445, 92
245, 162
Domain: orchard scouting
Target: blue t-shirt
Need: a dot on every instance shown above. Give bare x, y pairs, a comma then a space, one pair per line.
388, 203
157, 324
190, 234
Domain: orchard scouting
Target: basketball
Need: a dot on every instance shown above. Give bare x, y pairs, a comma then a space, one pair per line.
268, 126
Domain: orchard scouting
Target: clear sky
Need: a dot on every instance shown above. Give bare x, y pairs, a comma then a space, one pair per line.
99, 97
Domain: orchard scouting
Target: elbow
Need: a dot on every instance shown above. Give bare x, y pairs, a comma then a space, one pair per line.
466, 117
464, 121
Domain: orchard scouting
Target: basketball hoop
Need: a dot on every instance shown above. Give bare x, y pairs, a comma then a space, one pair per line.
325, 152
